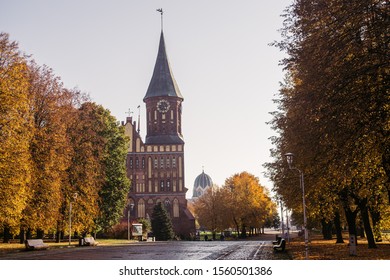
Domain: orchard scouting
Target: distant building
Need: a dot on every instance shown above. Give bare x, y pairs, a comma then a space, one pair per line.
156, 166
201, 184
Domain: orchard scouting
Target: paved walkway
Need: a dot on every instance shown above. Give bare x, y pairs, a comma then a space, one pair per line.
256, 247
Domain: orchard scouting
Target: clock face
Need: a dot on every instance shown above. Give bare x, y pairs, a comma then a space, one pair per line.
163, 106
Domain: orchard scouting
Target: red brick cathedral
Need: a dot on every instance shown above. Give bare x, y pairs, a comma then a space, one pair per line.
156, 166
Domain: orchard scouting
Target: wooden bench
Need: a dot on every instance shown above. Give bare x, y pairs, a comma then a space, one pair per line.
35, 244
281, 246
89, 241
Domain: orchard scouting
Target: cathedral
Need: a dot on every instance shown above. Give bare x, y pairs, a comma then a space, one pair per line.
156, 166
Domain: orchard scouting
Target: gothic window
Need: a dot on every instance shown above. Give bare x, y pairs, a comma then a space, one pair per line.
174, 162
162, 185
143, 163
136, 163
155, 163
141, 208
175, 208
161, 162
131, 163
168, 163
168, 185
167, 204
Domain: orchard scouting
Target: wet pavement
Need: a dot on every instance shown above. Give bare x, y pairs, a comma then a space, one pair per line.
259, 248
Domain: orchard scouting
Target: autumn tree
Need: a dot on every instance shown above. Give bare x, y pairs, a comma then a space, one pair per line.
249, 203
97, 172
15, 134
49, 148
333, 110
210, 210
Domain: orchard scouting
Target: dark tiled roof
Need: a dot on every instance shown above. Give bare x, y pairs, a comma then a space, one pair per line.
162, 83
163, 139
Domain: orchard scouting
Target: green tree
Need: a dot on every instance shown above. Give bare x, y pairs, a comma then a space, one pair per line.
97, 173
161, 223
113, 193
15, 134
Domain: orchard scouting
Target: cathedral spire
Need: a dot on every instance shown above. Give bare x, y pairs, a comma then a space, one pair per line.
161, 12
163, 83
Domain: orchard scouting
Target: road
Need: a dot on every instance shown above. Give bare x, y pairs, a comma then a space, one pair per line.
170, 250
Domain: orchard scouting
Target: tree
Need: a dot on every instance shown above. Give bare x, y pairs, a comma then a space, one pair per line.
161, 223
250, 205
116, 186
97, 173
15, 134
333, 109
49, 148
210, 210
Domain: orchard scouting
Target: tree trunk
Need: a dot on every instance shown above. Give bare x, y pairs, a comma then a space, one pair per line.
40, 234
28, 234
326, 229
337, 224
22, 235
360, 229
376, 217
351, 221
237, 227
367, 227
243, 231
7, 234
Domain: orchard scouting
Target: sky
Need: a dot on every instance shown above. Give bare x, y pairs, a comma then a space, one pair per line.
219, 53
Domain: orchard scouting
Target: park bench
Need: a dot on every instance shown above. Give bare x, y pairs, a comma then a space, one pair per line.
277, 241
35, 244
89, 241
281, 246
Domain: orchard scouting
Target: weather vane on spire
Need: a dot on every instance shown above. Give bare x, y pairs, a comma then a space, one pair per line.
161, 12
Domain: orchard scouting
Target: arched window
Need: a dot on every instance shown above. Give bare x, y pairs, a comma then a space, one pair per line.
141, 208
161, 185
176, 208
168, 185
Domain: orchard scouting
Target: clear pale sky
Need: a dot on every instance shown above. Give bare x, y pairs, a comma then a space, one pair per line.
218, 50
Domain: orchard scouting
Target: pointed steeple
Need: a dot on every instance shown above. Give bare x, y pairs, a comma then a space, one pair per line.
162, 83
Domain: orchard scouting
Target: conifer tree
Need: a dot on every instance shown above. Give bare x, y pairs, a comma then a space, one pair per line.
161, 223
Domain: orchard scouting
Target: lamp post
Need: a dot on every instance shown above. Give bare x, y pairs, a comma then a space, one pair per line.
281, 215
130, 208
290, 158
70, 217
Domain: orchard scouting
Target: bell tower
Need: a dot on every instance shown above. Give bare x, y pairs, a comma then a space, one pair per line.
156, 166
163, 103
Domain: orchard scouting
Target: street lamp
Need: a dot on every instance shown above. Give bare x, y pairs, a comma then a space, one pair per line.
130, 208
70, 217
281, 215
290, 158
